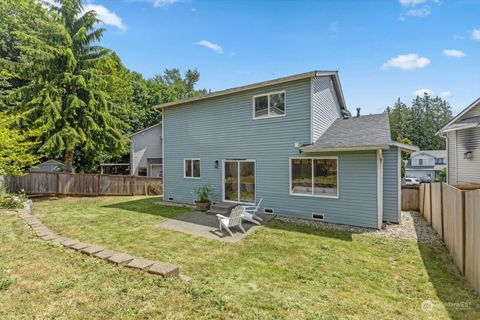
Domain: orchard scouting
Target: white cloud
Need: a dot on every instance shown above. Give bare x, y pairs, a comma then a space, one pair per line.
453, 53
210, 45
422, 12
421, 92
445, 94
476, 34
411, 2
108, 17
407, 62
165, 3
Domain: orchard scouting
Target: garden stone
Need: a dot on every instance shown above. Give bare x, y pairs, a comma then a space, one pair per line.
50, 237
105, 254
41, 234
120, 258
69, 242
185, 278
92, 249
164, 269
140, 263
59, 240
79, 246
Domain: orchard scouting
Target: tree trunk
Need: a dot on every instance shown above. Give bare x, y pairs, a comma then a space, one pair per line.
69, 161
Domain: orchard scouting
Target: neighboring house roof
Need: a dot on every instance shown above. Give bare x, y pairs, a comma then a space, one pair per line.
457, 123
436, 167
306, 75
146, 129
52, 161
357, 133
432, 153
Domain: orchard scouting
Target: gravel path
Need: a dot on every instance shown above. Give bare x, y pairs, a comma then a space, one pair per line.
412, 227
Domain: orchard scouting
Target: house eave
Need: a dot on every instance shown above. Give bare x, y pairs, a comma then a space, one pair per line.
402, 146
444, 129
313, 148
306, 75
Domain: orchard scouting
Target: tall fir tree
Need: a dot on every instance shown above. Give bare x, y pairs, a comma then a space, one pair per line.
67, 93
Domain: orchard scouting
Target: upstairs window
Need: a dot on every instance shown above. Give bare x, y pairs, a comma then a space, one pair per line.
191, 168
269, 105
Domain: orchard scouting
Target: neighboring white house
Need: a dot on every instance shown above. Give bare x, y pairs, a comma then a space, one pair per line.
426, 163
463, 145
49, 166
146, 157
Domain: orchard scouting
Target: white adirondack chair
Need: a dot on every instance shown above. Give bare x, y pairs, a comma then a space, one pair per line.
235, 220
249, 213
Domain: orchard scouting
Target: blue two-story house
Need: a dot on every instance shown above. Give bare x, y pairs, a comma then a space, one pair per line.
290, 141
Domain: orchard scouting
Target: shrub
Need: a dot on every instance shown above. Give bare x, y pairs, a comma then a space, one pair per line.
205, 194
12, 200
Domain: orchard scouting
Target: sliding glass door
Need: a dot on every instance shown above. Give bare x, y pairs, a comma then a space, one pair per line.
239, 181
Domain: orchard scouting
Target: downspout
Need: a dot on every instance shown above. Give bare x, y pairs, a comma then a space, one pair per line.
442, 135
379, 188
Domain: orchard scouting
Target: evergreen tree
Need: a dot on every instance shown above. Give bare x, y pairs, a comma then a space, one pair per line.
400, 120
420, 123
67, 92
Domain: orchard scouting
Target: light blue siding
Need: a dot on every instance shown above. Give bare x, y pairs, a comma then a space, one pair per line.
325, 106
390, 185
222, 128
145, 145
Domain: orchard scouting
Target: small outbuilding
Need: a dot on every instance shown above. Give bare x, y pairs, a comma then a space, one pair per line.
146, 157
49, 166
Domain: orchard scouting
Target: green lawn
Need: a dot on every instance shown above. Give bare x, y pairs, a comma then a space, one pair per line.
280, 271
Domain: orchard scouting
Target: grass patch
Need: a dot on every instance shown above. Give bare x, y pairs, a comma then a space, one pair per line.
282, 271
5, 280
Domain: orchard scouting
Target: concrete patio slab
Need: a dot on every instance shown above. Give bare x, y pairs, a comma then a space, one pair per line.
164, 269
140, 263
204, 225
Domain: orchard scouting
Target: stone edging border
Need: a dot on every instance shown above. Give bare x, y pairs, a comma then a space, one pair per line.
122, 259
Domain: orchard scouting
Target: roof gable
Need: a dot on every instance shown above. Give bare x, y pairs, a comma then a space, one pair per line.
146, 129
465, 119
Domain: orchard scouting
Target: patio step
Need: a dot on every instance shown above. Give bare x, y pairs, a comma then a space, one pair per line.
222, 208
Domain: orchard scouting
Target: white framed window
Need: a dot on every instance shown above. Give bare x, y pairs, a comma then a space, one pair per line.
269, 105
314, 176
191, 168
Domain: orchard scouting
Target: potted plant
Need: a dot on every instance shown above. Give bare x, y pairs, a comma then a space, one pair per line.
204, 197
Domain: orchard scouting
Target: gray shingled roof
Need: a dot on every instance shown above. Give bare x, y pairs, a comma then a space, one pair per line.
371, 131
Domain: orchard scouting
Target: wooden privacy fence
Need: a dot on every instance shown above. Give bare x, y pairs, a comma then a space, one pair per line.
410, 198
454, 213
79, 184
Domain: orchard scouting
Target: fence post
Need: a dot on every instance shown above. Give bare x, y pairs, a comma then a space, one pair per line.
132, 185
98, 184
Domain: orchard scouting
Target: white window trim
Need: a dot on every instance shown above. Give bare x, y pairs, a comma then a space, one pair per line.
223, 180
268, 105
312, 195
184, 167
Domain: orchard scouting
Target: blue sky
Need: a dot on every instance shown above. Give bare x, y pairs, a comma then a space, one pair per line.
382, 49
